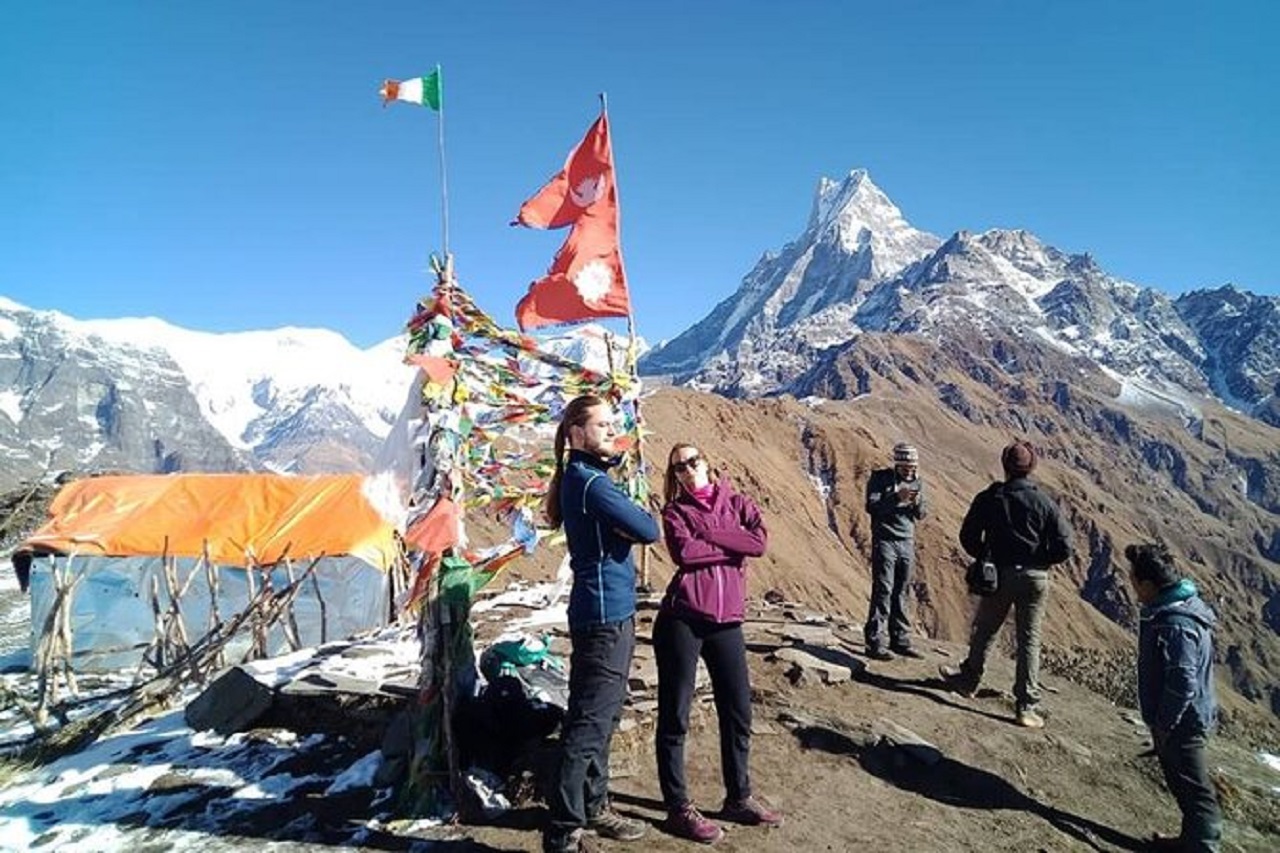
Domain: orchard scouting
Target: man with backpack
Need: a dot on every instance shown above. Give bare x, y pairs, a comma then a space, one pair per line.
1021, 530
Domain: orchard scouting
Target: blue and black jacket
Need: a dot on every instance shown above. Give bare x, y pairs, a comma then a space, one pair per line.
1175, 661
601, 524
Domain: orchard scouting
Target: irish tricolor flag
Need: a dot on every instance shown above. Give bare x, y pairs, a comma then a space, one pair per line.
423, 91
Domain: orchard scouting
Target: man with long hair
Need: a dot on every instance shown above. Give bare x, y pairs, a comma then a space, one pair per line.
600, 524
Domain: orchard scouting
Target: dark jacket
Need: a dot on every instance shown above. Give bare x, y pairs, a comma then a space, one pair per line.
710, 546
1175, 661
1033, 534
889, 518
601, 524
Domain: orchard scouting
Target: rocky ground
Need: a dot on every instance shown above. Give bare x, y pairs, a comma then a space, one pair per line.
861, 753
858, 753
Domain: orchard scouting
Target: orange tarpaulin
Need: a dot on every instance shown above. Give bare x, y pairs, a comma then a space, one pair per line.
243, 518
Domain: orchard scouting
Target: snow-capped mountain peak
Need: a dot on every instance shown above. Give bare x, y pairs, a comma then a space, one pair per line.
239, 378
856, 215
860, 266
855, 238
142, 394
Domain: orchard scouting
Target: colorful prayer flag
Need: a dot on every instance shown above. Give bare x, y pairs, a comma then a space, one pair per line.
586, 278
423, 91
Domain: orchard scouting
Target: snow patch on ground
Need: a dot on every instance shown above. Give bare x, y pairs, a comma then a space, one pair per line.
11, 405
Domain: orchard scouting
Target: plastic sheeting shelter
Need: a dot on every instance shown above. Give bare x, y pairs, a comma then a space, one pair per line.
115, 534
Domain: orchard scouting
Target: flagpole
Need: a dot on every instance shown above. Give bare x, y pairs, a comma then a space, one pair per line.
444, 173
643, 580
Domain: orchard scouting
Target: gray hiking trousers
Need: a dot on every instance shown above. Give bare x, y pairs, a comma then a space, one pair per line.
1024, 590
892, 564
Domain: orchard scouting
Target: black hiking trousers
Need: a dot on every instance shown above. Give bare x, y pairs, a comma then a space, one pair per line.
678, 642
599, 667
1181, 754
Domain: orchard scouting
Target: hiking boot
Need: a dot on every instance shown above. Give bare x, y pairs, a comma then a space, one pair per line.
958, 681
1029, 719
749, 811
688, 822
878, 653
1164, 842
575, 842
610, 824
906, 651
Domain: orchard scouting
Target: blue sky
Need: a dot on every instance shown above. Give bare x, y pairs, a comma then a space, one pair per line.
229, 166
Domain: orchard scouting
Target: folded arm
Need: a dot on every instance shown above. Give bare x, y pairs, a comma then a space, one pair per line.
749, 539
688, 549
606, 501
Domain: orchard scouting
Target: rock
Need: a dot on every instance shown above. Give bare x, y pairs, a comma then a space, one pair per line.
397, 750
1073, 748
807, 635
231, 702
644, 674
806, 617
832, 667
903, 740
175, 781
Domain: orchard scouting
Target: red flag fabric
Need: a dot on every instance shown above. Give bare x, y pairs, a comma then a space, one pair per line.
439, 370
586, 279
437, 530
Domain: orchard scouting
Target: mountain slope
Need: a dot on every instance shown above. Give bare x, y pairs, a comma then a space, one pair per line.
1125, 466
143, 395
1242, 335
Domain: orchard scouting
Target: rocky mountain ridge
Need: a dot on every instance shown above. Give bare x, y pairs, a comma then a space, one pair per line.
143, 395
826, 288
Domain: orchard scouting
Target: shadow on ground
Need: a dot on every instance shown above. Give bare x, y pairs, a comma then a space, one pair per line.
954, 783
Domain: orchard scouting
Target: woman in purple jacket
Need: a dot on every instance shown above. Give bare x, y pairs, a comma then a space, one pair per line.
710, 531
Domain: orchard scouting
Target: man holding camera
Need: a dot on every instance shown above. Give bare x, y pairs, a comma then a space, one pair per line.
895, 502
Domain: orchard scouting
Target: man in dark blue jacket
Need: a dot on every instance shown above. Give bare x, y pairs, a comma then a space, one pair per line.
1175, 689
600, 524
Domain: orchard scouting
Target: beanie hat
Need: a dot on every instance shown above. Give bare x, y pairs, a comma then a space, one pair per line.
1018, 459
905, 454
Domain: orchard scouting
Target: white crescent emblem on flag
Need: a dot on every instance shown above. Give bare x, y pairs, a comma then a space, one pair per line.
588, 191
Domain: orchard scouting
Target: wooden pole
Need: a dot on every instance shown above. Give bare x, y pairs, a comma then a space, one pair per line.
444, 172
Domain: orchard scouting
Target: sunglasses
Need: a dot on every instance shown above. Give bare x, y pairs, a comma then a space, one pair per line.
686, 464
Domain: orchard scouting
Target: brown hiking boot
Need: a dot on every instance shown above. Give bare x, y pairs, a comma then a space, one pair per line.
610, 824
958, 681
1029, 719
878, 653
575, 842
904, 650
749, 811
